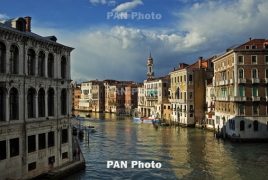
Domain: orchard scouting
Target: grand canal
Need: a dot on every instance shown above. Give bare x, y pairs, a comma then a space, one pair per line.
184, 153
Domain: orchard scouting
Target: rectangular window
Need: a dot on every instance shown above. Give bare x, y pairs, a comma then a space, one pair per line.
14, 147
184, 78
247, 47
64, 155
41, 141
164, 107
254, 47
190, 77
254, 59
242, 109
64, 138
191, 95
3, 148
191, 115
31, 144
50, 139
255, 109
31, 166
255, 90
240, 60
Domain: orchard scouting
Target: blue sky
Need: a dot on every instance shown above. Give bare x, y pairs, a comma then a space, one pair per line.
113, 48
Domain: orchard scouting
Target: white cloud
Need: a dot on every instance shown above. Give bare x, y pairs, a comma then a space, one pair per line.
127, 6
98, 1
121, 53
3, 17
111, 3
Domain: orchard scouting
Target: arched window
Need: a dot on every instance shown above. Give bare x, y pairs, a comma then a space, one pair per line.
2, 57
242, 125
50, 65
13, 104
31, 103
240, 73
255, 125
31, 62
41, 64
50, 102
254, 73
2, 104
63, 68
63, 102
13, 60
41, 103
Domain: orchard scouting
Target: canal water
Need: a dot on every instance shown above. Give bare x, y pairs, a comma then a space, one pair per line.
183, 153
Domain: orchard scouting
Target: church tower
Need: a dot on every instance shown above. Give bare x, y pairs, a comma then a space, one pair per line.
150, 64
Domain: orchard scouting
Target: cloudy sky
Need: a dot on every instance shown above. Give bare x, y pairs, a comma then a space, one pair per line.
113, 38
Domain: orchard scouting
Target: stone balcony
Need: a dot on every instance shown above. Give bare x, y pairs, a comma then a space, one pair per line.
255, 80
182, 101
256, 98
238, 98
242, 80
225, 98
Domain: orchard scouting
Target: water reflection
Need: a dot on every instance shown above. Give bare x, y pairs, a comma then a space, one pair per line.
185, 153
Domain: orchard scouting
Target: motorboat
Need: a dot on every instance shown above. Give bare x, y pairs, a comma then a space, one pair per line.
92, 129
79, 117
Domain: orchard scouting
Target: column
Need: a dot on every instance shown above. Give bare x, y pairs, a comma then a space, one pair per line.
46, 106
7, 108
36, 105
46, 64
36, 65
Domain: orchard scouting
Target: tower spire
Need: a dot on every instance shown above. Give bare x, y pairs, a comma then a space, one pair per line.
150, 65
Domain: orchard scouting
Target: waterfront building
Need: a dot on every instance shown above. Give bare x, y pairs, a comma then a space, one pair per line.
131, 95
110, 101
141, 99
156, 93
240, 83
187, 92
76, 95
35, 101
210, 110
98, 96
85, 102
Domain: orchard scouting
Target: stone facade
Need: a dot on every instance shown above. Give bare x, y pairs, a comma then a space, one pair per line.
240, 84
35, 103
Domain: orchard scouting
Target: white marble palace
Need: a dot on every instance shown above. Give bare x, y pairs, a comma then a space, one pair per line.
35, 104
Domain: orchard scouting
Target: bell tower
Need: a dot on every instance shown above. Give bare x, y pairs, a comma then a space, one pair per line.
150, 64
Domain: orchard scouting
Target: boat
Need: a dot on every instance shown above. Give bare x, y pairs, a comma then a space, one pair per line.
88, 115
137, 119
92, 129
79, 117
146, 119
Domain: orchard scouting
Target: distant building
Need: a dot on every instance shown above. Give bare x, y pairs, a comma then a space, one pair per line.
240, 84
76, 91
35, 101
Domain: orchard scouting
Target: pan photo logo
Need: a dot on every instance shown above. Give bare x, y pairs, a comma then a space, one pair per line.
133, 164
133, 15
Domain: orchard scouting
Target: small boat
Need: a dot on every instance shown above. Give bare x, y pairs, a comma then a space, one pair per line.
79, 117
92, 129
88, 115
137, 119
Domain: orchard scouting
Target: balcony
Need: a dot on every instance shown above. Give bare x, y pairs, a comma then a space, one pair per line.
238, 98
256, 98
152, 98
242, 80
266, 80
255, 80
266, 98
231, 81
225, 98
221, 83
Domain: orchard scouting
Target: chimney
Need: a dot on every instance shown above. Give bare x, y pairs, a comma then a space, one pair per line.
200, 61
249, 39
28, 23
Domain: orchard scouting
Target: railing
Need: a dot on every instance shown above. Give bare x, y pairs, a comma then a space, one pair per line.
255, 80
256, 98
225, 98
238, 98
231, 81
210, 113
242, 80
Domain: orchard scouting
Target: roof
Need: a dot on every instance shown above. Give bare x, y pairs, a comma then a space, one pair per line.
7, 26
